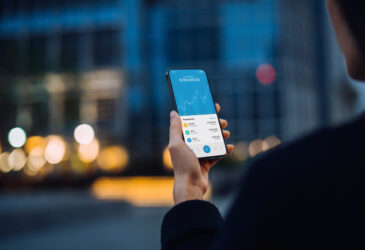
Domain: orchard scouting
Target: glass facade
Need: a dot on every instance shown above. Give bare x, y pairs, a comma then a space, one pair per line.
103, 62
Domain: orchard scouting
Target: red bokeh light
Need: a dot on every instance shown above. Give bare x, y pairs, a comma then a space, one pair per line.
266, 74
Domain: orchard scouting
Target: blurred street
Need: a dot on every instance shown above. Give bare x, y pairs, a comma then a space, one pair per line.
75, 220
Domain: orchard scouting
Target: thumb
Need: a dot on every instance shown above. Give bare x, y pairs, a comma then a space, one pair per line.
175, 128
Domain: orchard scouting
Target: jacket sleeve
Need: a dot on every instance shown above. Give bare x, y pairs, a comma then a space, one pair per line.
190, 225
257, 218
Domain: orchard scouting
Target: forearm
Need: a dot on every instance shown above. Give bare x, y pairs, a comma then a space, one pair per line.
185, 189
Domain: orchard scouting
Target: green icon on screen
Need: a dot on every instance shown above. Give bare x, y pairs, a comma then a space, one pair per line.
187, 132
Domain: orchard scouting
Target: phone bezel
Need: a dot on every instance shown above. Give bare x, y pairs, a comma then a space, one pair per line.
167, 75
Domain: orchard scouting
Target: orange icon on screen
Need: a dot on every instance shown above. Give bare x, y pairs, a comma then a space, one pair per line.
185, 125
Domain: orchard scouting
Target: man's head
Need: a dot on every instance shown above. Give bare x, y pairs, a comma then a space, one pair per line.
348, 18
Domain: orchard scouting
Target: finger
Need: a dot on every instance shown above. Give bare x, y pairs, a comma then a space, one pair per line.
226, 134
217, 107
211, 163
230, 148
223, 123
175, 128
205, 164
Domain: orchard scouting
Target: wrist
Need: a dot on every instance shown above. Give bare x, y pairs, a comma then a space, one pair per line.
185, 190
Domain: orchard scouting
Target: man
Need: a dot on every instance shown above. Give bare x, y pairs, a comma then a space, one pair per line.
301, 195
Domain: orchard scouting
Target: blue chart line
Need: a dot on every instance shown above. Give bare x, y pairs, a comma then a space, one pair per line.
197, 101
192, 93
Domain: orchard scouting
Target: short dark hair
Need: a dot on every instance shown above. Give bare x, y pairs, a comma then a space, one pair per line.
354, 13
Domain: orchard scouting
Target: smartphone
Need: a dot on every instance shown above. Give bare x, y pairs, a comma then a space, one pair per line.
193, 101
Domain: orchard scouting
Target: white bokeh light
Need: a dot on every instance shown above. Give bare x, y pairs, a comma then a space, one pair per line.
17, 137
84, 134
55, 149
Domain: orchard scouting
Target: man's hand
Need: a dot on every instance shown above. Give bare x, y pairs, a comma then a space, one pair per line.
191, 175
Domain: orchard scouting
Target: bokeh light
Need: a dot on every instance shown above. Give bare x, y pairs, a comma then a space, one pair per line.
88, 152
84, 134
17, 159
55, 149
166, 159
113, 158
4, 163
34, 142
17, 137
240, 152
139, 191
255, 147
28, 171
266, 74
270, 142
35, 162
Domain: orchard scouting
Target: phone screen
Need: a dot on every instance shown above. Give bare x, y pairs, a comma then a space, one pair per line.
195, 106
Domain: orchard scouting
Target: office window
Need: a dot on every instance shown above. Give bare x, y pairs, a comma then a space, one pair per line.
266, 127
71, 110
106, 48
69, 51
266, 104
39, 111
193, 44
37, 55
106, 114
2, 8
10, 6
11, 58
193, 33
8, 120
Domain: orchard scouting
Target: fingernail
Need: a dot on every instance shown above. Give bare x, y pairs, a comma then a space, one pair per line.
172, 114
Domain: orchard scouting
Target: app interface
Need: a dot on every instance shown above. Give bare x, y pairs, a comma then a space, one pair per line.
195, 106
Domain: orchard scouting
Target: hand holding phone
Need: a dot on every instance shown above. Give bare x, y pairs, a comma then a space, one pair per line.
193, 101
190, 173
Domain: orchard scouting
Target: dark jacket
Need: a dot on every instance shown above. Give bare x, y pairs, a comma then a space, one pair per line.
302, 195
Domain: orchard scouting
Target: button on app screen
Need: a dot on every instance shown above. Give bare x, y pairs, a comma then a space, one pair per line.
195, 106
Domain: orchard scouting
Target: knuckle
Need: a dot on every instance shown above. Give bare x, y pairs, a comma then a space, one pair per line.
173, 146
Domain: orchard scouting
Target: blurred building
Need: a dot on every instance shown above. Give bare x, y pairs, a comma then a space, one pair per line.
63, 63
64, 59
231, 40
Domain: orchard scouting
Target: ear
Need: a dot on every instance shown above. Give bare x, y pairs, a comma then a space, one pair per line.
355, 60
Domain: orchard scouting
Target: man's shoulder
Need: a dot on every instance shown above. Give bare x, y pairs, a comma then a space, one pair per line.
326, 144
327, 150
